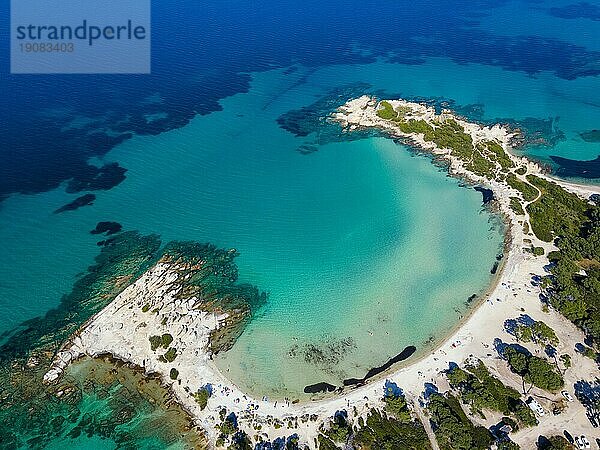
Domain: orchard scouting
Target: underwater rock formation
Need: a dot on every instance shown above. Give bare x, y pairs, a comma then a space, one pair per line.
34, 412
107, 228
576, 168
84, 200
405, 354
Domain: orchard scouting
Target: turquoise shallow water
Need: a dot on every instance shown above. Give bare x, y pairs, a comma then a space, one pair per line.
44, 252
359, 242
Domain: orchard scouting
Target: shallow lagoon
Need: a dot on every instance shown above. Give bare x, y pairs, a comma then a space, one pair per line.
363, 247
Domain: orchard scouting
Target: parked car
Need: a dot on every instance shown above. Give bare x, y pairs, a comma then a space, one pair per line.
568, 397
585, 442
592, 418
535, 407
582, 442
569, 437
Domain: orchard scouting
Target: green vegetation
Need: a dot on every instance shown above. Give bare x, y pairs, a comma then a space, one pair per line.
397, 407
451, 135
535, 251
565, 359
499, 155
382, 431
521, 170
539, 332
574, 289
169, 356
538, 251
202, 397
386, 111
536, 371
487, 159
524, 416
574, 225
480, 165
589, 352
453, 429
339, 429
226, 427
555, 443
515, 205
325, 443
482, 159
529, 192
480, 390
508, 445
146, 307
557, 212
174, 373
160, 341
155, 342
416, 126
241, 441
386, 433
230, 434
166, 340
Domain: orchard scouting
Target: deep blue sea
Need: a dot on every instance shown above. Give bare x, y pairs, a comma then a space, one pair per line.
223, 142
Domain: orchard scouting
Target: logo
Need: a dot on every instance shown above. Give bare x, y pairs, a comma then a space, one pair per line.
80, 36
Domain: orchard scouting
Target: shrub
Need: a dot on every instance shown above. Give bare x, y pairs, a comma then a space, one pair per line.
227, 427
481, 390
326, 443
381, 432
521, 170
171, 354
452, 427
166, 340
202, 397
557, 212
160, 341
528, 191
534, 370
515, 205
155, 342
386, 111
397, 407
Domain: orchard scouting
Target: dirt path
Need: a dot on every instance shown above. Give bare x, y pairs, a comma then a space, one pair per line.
425, 420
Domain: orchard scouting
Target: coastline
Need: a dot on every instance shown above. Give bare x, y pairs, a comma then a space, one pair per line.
466, 338
176, 423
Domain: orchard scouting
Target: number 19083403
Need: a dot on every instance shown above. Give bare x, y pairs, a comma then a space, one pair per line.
47, 47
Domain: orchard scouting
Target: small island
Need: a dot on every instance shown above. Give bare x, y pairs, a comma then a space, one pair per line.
514, 370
